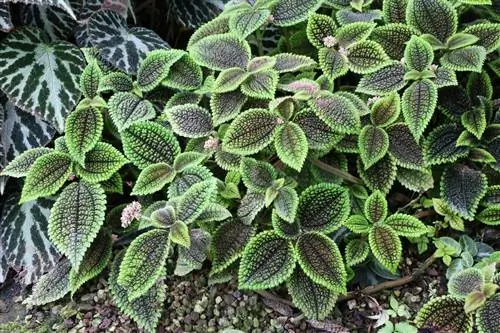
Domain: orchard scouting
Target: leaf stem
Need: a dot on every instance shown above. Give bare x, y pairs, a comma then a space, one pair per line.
337, 172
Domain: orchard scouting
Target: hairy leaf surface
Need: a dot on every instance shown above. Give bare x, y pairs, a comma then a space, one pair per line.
445, 313
383, 81
386, 246
419, 101
287, 13
101, 163
126, 109
373, 143
404, 148
436, 17
381, 175
190, 120
338, 112
291, 145
83, 131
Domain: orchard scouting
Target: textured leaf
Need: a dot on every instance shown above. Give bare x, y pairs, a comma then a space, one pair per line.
268, 260
179, 234
373, 143
187, 159
23, 239
490, 215
191, 14
251, 204
404, 148
258, 64
219, 52
230, 79
287, 13
89, 81
445, 313
145, 310
393, 36
52, 286
470, 59
353, 33
314, 300
126, 109
320, 26
415, 180
332, 63
366, 57
195, 255
441, 145
346, 16
321, 261
218, 25
246, 21
376, 207
386, 246
226, 106
381, 175
257, 175
95, 260
419, 101
487, 317
146, 143
143, 263
479, 84
153, 178
101, 163
250, 132
190, 176
356, 252
323, 207
261, 85
121, 46
460, 40
46, 176
418, 54
286, 204
291, 145
445, 77
394, 10
155, 67
488, 34
386, 110
20, 166
83, 131
475, 121
30, 65
228, 243
437, 18
5, 18
185, 74
194, 201
114, 184
406, 225
383, 81
358, 224
465, 282
338, 112
319, 135
462, 188
288, 62
115, 81
284, 228
190, 120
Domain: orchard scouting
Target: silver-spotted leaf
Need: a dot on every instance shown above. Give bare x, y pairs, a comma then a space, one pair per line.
230, 79
286, 204
445, 77
386, 110
244, 22
89, 81
332, 63
404, 148
353, 33
464, 282
373, 143
415, 180
356, 251
194, 201
474, 121
226, 106
488, 316
394, 36
83, 131
101, 163
257, 175
185, 74
289, 62
194, 255
348, 16
376, 207
319, 135
179, 234
470, 59
436, 17
383, 81
250, 205
190, 176
126, 108
418, 54
488, 34
190, 120
75, 219
268, 260
115, 82
386, 246
394, 10
419, 101
445, 313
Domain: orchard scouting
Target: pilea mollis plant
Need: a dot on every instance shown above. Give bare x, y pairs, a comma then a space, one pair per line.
268, 150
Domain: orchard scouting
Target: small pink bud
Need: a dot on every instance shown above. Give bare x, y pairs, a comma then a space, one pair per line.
329, 41
343, 51
131, 212
279, 121
211, 144
434, 67
372, 100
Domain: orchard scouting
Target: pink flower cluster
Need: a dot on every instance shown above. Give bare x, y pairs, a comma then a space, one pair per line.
130, 212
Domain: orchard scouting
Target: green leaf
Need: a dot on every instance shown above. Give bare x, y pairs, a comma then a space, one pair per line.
348, 16
474, 121
155, 68
338, 112
323, 207
230, 79
479, 84
21, 165
190, 176
153, 178
126, 109
394, 10
95, 260
114, 184
386, 110
353, 33
332, 63
381, 175
437, 17
320, 26
393, 36
268, 260
311, 298
488, 34
366, 57
418, 54
46, 176
115, 82
441, 145
194, 201
462, 188
218, 25
465, 282
195, 255
490, 215
144, 262
89, 81
226, 106
244, 22
187, 159
190, 120
289, 62
287, 13
262, 63
376, 207
163, 217
319, 135
214, 212
250, 205
257, 176
30, 65
76, 218
286, 204
179, 234
185, 74
83, 131
419, 102
358, 224
250, 132
487, 316
291, 145
445, 77
404, 148
383, 81
386, 246
373, 143
360, 104
445, 313
460, 40
284, 228
183, 97
470, 59
406, 225
321, 261
146, 143
356, 252
228, 243
144, 310
51, 286
101, 163
219, 52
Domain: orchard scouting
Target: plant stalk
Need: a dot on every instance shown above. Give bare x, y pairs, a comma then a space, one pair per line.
337, 172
